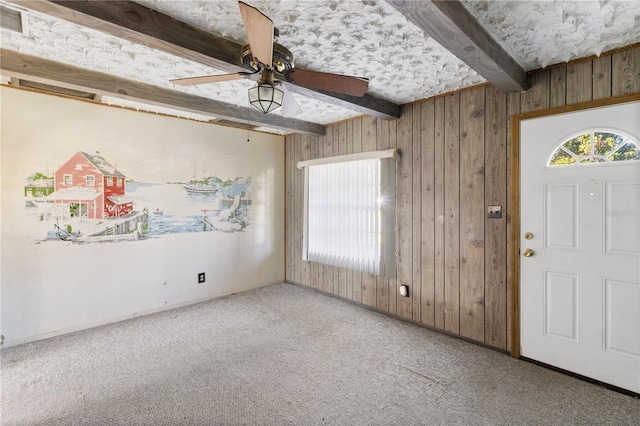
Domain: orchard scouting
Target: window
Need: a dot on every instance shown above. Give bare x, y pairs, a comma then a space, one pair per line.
67, 180
109, 181
119, 181
598, 146
349, 218
78, 166
90, 180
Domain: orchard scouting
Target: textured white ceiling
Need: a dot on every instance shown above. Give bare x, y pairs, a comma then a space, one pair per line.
542, 33
366, 38
361, 38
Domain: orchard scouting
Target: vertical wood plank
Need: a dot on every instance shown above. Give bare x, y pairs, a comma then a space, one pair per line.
289, 208
439, 229
297, 203
349, 150
404, 208
602, 77
416, 221
558, 86
305, 154
537, 97
392, 290
452, 213
327, 271
427, 212
514, 103
382, 142
369, 142
342, 150
322, 282
330, 272
495, 190
356, 147
625, 69
314, 266
472, 207
579, 82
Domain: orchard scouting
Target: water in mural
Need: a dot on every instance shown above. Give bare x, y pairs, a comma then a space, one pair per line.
89, 200
177, 208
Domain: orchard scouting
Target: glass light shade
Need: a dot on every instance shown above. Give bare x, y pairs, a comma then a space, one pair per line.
265, 98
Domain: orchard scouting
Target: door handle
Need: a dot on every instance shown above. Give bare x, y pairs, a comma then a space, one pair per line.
528, 252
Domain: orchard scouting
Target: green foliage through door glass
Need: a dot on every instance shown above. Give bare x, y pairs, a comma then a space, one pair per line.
595, 147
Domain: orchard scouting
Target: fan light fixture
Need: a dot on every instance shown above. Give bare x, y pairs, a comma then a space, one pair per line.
265, 97
264, 54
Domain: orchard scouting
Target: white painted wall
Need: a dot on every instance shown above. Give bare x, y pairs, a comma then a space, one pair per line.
53, 287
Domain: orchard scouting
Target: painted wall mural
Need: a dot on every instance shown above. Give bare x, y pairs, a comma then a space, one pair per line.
88, 199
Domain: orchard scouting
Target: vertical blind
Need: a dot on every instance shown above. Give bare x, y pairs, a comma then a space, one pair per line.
344, 214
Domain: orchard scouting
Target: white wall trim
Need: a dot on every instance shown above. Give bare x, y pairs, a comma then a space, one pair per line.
389, 153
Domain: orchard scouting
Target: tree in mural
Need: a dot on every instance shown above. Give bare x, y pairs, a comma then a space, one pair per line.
38, 176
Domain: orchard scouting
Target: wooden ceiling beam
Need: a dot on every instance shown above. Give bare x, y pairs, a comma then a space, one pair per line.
44, 71
450, 24
139, 24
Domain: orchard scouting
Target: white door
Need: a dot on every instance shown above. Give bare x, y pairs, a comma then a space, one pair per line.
580, 221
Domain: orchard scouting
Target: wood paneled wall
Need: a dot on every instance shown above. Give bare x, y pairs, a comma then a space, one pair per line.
455, 161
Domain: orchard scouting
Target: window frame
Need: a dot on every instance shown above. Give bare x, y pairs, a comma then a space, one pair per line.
582, 161
387, 222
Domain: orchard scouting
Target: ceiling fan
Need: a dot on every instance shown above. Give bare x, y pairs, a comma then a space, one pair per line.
265, 56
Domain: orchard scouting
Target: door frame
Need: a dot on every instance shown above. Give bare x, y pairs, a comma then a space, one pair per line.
513, 227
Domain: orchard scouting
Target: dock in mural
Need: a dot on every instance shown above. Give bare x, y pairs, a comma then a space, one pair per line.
126, 228
231, 214
90, 200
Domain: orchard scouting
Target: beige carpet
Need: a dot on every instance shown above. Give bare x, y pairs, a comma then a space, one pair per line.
285, 355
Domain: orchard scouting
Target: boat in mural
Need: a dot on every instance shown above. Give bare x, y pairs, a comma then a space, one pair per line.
208, 185
199, 188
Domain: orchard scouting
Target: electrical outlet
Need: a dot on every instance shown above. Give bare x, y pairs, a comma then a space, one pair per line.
494, 212
404, 290
200, 277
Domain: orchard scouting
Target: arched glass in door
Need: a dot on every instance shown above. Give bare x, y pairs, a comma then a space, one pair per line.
596, 146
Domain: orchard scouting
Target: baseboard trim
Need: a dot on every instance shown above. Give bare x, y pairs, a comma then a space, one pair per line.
113, 320
398, 317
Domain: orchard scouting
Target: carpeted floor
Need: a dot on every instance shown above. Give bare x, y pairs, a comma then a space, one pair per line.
285, 355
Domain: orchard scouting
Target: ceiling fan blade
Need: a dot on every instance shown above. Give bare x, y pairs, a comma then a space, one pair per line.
354, 86
259, 32
290, 107
192, 81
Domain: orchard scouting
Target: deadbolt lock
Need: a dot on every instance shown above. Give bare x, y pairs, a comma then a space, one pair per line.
528, 235
527, 252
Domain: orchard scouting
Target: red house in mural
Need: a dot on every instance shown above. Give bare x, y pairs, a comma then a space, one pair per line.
91, 187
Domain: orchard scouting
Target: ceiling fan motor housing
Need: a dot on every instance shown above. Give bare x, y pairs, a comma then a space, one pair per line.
282, 58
